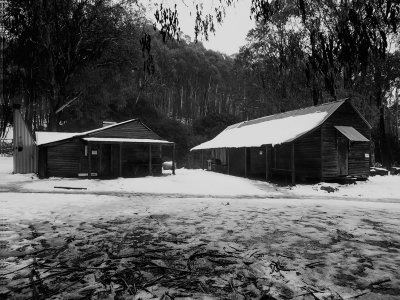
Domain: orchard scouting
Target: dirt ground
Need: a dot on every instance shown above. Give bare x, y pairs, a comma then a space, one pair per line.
72, 246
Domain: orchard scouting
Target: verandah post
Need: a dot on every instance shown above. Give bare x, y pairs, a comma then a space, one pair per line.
89, 160
120, 159
266, 162
150, 161
293, 167
227, 159
100, 156
202, 159
245, 161
173, 159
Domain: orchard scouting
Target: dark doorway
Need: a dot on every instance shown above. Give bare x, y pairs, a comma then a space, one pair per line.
105, 161
115, 160
248, 160
343, 156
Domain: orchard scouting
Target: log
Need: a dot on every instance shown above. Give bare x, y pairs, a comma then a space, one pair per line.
70, 188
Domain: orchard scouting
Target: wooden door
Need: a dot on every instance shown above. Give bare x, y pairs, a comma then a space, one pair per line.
343, 156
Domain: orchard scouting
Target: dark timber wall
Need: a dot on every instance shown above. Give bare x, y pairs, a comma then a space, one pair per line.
256, 161
308, 155
63, 160
358, 163
69, 159
236, 161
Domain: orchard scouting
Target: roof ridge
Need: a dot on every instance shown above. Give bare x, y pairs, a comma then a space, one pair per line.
298, 109
106, 127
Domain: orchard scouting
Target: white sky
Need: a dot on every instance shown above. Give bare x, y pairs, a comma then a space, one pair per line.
229, 36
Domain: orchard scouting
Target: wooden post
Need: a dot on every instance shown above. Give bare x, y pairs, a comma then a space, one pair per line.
266, 163
173, 159
202, 159
245, 161
150, 158
89, 160
99, 157
120, 159
293, 167
228, 158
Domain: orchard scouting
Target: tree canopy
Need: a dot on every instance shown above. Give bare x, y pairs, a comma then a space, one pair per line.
73, 64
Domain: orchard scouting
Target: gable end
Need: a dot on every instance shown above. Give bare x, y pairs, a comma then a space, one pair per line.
134, 129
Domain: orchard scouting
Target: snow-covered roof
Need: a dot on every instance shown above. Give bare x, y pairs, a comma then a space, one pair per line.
126, 140
43, 137
275, 129
46, 137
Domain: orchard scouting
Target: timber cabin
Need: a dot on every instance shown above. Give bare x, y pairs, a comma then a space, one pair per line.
321, 142
126, 149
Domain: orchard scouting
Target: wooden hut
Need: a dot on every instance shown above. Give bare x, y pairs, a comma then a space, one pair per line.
126, 149
322, 142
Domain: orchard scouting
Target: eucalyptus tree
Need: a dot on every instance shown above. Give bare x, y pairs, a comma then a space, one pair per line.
346, 41
50, 42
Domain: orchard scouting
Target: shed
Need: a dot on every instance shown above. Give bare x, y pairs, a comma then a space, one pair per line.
126, 149
322, 142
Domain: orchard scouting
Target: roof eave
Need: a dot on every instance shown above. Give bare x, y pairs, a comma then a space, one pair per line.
362, 117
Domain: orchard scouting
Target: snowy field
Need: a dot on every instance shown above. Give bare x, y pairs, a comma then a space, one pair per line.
221, 238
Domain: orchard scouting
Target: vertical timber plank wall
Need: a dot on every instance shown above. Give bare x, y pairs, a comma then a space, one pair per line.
308, 155
358, 163
282, 157
63, 160
156, 159
257, 161
236, 161
42, 165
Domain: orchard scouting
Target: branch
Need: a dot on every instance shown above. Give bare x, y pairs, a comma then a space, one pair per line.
68, 103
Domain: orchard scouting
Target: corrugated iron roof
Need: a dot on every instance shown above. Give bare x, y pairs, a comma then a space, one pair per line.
275, 129
52, 137
328, 108
352, 134
46, 137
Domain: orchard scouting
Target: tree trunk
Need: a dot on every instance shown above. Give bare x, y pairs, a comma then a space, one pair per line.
384, 147
52, 125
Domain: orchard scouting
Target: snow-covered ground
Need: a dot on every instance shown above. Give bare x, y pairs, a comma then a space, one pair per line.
376, 187
201, 183
200, 247
7, 178
185, 182
237, 239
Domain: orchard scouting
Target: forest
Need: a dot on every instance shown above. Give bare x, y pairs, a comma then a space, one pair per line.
74, 63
